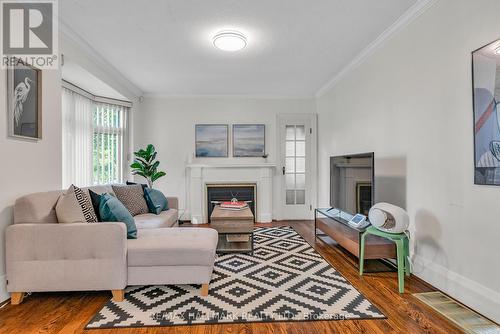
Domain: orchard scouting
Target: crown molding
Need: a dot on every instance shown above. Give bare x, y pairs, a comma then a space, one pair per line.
420, 7
228, 96
97, 59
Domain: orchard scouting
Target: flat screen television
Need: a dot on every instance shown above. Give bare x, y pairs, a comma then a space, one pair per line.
352, 183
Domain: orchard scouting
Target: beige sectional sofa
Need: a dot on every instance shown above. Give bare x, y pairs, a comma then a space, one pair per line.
43, 255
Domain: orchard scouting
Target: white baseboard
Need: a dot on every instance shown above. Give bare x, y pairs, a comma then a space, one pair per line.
4, 295
476, 296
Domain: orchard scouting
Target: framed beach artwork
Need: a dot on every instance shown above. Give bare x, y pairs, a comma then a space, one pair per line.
249, 140
211, 140
24, 101
486, 98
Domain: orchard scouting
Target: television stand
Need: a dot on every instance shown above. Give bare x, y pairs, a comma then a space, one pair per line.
349, 237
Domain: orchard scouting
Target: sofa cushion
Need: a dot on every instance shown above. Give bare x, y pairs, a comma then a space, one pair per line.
101, 189
112, 210
151, 220
182, 246
157, 202
37, 208
132, 196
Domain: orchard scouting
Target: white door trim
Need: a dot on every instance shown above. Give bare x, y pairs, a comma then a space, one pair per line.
313, 162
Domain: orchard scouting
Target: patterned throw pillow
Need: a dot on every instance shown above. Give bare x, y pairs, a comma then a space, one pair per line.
144, 186
132, 197
74, 206
86, 205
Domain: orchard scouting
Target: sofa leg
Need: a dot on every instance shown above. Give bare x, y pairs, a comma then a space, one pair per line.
118, 295
16, 298
204, 289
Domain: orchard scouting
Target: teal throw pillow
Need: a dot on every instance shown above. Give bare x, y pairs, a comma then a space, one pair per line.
157, 202
112, 210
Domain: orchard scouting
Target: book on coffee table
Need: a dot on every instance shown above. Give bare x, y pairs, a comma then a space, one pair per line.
233, 205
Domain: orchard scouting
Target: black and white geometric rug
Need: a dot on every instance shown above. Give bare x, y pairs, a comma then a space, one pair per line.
284, 280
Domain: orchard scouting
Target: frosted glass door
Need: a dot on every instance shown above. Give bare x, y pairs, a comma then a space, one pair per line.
295, 135
295, 165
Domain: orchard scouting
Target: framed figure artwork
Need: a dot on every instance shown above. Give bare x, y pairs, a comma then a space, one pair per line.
24, 101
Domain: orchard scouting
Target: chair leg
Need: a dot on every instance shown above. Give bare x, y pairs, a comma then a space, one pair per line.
362, 254
204, 290
118, 295
16, 298
407, 256
401, 265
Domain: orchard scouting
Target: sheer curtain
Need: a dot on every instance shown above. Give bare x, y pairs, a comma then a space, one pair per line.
77, 131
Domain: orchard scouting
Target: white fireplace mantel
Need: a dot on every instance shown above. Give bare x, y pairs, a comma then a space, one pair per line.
199, 175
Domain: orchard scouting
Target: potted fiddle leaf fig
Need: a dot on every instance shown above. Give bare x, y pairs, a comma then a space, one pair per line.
146, 165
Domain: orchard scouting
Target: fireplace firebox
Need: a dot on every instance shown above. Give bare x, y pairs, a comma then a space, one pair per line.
217, 193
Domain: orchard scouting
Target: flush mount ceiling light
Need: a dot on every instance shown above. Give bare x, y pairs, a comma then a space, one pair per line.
229, 40
497, 50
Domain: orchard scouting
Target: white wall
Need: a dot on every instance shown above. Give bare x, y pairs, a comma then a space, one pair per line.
411, 103
169, 123
29, 166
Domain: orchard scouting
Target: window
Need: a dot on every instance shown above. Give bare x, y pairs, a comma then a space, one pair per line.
107, 144
94, 139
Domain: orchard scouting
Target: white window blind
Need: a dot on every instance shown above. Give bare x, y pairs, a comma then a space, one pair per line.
108, 138
94, 140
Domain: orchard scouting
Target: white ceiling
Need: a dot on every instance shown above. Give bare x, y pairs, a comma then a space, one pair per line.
294, 46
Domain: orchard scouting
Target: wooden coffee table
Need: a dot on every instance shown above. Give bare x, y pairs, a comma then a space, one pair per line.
235, 229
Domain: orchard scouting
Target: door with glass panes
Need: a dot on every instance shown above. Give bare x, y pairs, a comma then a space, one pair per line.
295, 152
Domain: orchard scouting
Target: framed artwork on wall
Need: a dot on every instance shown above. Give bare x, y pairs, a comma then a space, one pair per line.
211, 140
24, 101
249, 140
486, 98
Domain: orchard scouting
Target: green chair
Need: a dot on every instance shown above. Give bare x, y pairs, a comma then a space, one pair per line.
403, 251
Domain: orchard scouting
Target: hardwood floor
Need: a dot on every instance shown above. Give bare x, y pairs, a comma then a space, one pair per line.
70, 312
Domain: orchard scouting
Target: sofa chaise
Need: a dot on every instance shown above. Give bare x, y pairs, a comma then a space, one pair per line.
43, 255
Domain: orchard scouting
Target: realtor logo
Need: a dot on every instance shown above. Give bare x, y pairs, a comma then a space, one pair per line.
29, 33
